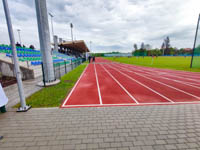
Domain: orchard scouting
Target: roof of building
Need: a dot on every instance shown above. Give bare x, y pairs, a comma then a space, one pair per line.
76, 45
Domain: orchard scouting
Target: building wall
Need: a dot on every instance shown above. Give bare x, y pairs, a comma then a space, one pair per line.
7, 69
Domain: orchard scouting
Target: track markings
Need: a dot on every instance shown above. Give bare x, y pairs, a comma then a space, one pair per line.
99, 92
120, 85
169, 86
192, 95
64, 103
175, 80
131, 104
141, 73
144, 85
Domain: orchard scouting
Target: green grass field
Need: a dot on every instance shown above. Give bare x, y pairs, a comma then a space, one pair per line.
176, 63
54, 95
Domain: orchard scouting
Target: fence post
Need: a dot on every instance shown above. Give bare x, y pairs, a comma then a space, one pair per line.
59, 71
65, 67
43, 74
71, 65
54, 70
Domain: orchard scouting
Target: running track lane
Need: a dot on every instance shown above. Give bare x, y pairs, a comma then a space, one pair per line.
141, 93
171, 93
86, 91
189, 77
111, 91
182, 85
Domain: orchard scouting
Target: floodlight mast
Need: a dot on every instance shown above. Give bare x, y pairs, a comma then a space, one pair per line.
71, 25
23, 107
18, 30
197, 28
90, 45
52, 25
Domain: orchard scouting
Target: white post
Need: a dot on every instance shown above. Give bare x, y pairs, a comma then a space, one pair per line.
23, 107
44, 36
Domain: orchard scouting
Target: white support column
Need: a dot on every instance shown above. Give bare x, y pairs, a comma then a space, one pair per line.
44, 37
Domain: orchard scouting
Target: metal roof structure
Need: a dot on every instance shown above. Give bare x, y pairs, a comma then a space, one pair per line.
79, 46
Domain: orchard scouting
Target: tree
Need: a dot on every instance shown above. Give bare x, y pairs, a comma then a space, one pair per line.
166, 46
135, 47
147, 46
142, 46
163, 47
167, 42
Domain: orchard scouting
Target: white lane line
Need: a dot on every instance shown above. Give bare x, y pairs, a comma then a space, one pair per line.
196, 81
175, 72
131, 104
144, 86
74, 87
99, 92
152, 75
169, 86
182, 82
120, 85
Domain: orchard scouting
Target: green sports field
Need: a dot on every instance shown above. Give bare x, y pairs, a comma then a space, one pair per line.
176, 63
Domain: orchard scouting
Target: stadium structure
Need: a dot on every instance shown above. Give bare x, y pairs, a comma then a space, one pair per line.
69, 52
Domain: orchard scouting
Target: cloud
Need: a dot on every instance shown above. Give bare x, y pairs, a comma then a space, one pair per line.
113, 25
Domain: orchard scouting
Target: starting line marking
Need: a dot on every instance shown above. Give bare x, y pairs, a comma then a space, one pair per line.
133, 104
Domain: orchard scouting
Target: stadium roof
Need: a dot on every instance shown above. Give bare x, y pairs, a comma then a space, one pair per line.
76, 45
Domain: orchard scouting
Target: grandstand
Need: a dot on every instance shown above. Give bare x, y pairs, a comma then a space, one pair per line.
31, 59
76, 48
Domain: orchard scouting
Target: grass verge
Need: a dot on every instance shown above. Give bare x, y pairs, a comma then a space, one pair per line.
54, 95
176, 63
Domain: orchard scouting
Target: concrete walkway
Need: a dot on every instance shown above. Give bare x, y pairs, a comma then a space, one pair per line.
123, 128
30, 87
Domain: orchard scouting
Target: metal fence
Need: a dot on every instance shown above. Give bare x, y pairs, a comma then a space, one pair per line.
62, 68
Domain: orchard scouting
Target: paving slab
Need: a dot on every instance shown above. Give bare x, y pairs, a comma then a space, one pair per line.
132, 127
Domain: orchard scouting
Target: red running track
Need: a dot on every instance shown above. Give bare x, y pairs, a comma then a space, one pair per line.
106, 83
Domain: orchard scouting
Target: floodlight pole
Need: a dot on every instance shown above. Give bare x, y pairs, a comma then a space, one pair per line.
52, 25
71, 25
23, 107
195, 40
90, 45
18, 30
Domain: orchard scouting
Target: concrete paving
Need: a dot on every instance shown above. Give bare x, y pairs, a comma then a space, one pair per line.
155, 127
30, 87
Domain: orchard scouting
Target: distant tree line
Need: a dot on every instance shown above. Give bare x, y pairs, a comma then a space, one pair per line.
166, 49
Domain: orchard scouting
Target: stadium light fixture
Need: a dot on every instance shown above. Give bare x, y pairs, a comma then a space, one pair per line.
23, 107
18, 30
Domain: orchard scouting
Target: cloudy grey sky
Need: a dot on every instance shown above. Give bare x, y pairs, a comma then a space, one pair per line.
111, 25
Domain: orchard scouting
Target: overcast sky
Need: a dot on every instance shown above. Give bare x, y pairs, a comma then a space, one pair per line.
111, 25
